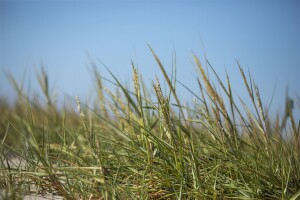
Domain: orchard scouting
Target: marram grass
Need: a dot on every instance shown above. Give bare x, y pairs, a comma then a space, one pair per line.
140, 144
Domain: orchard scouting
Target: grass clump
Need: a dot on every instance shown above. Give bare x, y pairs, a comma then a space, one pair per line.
134, 145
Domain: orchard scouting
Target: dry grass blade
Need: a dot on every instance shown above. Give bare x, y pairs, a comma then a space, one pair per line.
165, 110
100, 92
125, 92
168, 82
44, 84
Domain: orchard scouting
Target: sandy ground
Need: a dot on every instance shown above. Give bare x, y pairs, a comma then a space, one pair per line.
31, 196
35, 197
38, 197
16, 161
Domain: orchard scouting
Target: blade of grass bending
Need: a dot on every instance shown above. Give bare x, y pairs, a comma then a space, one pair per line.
18, 87
189, 90
203, 96
100, 91
295, 197
250, 90
43, 83
125, 91
218, 78
228, 93
114, 127
5, 134
230, 98
168, 81
174, 72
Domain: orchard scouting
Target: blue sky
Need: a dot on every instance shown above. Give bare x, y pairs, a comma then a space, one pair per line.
62, 35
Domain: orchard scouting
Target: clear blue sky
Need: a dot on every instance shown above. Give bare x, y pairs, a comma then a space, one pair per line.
263, 36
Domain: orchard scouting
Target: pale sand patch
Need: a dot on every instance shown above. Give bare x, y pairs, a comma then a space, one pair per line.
15, 161
34, 197
42, 197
